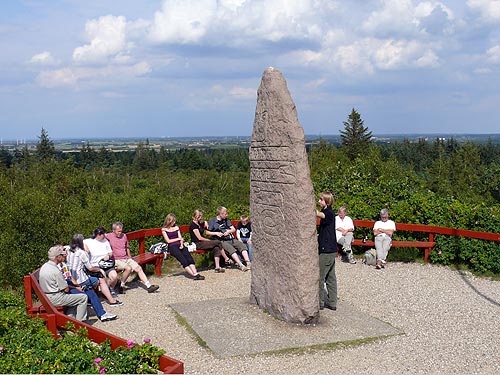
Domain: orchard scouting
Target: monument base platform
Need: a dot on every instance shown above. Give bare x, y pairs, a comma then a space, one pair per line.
234, 327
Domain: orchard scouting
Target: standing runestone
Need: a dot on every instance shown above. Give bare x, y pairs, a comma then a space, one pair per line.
285, 270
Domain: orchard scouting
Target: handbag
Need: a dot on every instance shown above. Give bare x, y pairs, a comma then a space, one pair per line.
106, 264
159, 248
93, 273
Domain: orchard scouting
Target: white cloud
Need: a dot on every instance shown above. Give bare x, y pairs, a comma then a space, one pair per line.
78, 76
493, 54
489, 10
236, 22
394, 16
43, 58
402, 17
243, 92
107, 37
181, 21
391, 55
353, 58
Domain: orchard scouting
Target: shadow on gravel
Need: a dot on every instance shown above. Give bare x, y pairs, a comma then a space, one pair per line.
467, 281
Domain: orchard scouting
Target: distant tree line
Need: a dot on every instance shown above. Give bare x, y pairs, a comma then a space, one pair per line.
46, 196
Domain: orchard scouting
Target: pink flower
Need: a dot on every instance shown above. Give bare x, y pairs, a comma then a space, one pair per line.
98, 360
440, 252
102, 370
130, 344
477, 222
147, 341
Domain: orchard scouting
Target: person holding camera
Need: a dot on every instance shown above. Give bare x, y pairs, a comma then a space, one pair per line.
221, 228
84, 273
85, 286
101, 253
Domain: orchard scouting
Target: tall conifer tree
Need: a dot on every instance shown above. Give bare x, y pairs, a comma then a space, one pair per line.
355, 136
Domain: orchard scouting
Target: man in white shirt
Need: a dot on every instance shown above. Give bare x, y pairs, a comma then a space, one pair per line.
383, 231
344, 228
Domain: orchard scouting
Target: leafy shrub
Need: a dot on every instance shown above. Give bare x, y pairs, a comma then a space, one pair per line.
26, 346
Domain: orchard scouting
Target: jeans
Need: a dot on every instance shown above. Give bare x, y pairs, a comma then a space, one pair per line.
92, 296
249, 247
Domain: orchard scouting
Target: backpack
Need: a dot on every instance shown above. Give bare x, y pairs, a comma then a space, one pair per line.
370, 257
159, 248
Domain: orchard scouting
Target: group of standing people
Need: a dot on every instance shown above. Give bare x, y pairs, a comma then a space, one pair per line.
338, 230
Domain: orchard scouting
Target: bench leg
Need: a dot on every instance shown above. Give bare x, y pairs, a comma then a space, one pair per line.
158, 265
426, 255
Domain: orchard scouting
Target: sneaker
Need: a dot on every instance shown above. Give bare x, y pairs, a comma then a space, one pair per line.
249, 265
113, 293
244, 268
220, 270
107, 316
352, 261
152, 288
229, 263
116, 303
199, 277
378, 267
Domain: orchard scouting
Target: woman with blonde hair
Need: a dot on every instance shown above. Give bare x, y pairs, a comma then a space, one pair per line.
196, 230
173, 238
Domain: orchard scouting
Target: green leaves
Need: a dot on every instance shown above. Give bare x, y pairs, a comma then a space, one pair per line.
26, 347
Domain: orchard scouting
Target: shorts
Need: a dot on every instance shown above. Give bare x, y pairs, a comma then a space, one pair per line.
121, 263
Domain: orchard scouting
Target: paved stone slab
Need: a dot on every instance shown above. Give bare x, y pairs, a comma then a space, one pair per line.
234, 327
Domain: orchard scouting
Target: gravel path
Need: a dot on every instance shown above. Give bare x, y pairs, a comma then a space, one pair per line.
450, 320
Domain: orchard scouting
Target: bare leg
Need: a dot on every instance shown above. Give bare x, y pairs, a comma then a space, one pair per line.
105, 290
113, 278
190, 271
126, 273
217, 262
244, 253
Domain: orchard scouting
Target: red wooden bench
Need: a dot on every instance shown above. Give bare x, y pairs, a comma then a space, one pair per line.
145, 257
55, 319
426, 245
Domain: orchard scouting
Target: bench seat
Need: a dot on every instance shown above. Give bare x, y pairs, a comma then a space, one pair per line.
426, 245
149, 258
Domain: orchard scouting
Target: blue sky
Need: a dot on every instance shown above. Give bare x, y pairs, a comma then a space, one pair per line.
105, 68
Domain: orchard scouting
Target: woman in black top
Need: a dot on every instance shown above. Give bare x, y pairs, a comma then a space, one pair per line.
327, 247
196, 229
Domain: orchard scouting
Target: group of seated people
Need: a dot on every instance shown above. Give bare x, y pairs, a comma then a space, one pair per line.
383, 230
74, 273
233, 245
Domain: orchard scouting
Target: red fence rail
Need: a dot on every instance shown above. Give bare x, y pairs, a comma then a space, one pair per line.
55, 319
431, 230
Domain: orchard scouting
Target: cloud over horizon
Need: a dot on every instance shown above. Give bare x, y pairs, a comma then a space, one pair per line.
381, 52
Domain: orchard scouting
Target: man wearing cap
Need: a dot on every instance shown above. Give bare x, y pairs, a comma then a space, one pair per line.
55, 286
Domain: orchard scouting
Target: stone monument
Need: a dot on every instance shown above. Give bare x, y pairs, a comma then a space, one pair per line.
285, 270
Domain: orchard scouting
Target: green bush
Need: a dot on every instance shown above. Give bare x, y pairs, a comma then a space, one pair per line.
26, 346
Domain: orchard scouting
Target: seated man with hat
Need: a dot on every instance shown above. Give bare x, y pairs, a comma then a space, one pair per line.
56, 288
